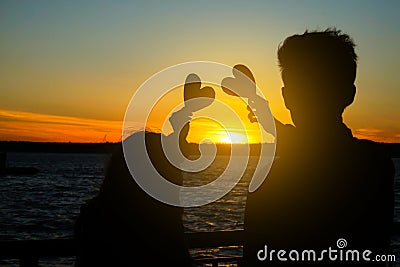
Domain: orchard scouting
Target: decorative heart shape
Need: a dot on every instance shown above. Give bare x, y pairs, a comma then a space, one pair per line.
192, 90
242, 84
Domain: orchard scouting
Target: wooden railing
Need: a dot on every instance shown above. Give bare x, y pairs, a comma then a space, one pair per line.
28, 252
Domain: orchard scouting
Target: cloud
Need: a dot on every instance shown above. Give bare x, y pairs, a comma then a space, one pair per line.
378, 135
27, 126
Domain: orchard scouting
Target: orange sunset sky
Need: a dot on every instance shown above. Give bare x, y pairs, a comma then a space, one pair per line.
69, 69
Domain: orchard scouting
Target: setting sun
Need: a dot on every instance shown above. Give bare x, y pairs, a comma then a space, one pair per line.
232, 138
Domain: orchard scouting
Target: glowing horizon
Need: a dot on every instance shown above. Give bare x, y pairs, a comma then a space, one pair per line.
44, 128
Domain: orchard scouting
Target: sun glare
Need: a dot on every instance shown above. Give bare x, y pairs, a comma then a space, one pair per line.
232, 138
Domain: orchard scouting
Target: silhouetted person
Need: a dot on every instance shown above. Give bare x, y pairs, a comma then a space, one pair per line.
324, 184
125, 226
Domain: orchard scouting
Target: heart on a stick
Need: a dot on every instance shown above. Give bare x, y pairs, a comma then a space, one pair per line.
242, 84
193, 90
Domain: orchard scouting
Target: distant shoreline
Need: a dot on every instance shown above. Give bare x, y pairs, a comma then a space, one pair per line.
56, 147
108, 147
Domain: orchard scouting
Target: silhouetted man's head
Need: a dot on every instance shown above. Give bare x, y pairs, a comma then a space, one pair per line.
318, 72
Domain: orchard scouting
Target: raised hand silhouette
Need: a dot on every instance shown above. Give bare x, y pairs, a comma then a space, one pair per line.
243, 84
196, 98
